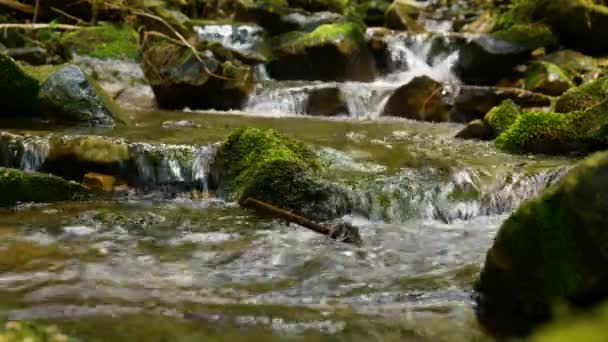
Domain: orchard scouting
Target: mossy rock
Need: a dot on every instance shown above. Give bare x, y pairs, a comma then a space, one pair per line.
589, 326
583, 97
580, 68
70, 96
22, 187
266, 13
180, 80
32, 332
551, 249
89, 149
332, 52
579, 24
271, 167
18, 90
528, 36
501, 117
107, 42
554, 133
548, 78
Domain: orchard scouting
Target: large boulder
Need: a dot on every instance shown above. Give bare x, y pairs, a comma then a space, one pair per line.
552, 249
212, 80
420, 99
489, 57
69, 95
22, 187
18, 90
268, 166
333, 52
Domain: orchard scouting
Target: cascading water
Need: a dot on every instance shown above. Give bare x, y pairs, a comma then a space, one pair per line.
409, 56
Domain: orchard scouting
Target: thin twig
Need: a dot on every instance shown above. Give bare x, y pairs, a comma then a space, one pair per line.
40, 26
36, 11
69, 16
16, 5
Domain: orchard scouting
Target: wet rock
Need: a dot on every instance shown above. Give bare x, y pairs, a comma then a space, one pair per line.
420, 99
336, 52
476, 129
487, 58
267, 13
22, 187
501, 117
326, 102
402, 14
180, 80
583, 97
552, 249
337, 6
547, 78
105, 42
248, 42
278, 170
484, 23
18, 90
68, 95
99, 182
473, 102
311, 21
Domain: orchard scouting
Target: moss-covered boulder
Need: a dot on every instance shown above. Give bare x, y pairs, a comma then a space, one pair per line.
70, 96
555, 133
22, 187
106, 42
548, 78
420, 99
18, 90
333, 52
402, 14
489, 57
212, 80
579, 24
583, 97
551, 250
274, 168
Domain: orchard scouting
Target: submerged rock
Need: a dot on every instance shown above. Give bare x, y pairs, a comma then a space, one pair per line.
68, 95
551, 249
276, 169
22, 187
179, 79
326, 101
489, 57
420, 99
18, 90
332, 52
476, 129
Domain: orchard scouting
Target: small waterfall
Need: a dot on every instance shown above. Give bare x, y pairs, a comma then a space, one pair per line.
408, 56
236, 37
26, 153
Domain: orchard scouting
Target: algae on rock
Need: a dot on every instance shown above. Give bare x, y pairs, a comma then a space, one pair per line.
18, 90
106, 41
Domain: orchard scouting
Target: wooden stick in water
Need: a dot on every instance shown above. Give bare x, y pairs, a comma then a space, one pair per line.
341, 232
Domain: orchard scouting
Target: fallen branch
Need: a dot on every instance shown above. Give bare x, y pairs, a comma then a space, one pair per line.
40, 26
342, 232
16, 5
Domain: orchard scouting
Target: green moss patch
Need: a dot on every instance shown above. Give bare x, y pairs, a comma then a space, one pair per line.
108, 41
348, 37
18, 90
529, 36
502, 116
583, 97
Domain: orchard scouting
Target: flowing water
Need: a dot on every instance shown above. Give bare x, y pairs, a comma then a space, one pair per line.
170, 261
153, 266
